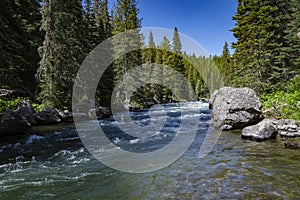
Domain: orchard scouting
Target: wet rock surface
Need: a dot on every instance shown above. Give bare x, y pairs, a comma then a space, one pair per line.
262, 131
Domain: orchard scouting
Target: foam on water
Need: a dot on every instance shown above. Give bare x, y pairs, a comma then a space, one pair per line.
33, 138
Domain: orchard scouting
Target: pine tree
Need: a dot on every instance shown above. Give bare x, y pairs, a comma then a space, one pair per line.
61, 53
106, 84
258, 62
96, 25
166, 61
125, 18
177, 61
149, 53
105, 19
19, 40
225, 65
292, 47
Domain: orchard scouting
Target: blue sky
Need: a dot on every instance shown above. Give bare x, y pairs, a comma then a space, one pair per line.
206, 21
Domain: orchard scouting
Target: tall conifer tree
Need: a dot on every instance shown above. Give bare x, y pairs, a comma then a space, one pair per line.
62, 50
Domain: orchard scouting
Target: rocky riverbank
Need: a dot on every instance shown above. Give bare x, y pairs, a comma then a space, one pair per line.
20, 121
241, 108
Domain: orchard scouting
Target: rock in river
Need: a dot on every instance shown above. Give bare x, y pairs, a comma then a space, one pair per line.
292, 145
47, 116
13, 124
264, 130
26, 111
235, 108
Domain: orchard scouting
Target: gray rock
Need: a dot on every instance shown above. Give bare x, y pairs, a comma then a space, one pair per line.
47, 116
27, 103
226, 127
284, 122
287, 127
13, 124
264, 130
65, 115
103, 112
290, 134
235, 108
212, 99
100, 112
26, 114
283, 133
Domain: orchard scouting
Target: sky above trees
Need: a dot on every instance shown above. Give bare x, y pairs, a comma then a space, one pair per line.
208, 22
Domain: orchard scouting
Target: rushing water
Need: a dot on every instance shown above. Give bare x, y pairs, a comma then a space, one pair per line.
55, 165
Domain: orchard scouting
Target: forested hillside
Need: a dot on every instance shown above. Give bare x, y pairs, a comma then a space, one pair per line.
43, 43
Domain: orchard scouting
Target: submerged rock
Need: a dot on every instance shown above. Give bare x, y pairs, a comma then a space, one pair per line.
292, 145
235, 108
264, 130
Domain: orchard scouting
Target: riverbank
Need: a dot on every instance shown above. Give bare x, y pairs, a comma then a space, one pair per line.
20, 120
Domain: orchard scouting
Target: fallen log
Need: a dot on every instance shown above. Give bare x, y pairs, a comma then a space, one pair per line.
275, 108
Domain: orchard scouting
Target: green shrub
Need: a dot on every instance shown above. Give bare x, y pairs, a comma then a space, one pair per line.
290, 97
9, 104
38, 107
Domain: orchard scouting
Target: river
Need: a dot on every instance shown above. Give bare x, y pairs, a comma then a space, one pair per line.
53, 163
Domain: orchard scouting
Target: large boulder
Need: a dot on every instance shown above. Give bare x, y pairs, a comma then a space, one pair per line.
47, 116
235, 108
25, 110
264, 130
13, 124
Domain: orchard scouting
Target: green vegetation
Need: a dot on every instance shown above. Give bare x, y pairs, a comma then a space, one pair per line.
38, 107
287, 101
43, 43
9, 104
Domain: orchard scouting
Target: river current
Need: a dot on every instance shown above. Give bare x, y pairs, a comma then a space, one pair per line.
52, 163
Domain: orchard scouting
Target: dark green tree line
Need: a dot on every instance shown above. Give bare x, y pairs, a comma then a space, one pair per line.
19, 39
263, 53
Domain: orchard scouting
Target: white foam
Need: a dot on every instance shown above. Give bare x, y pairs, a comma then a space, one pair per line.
117, 141
33, 138
134, 141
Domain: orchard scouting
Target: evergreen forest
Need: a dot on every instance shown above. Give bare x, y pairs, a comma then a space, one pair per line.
44, 42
